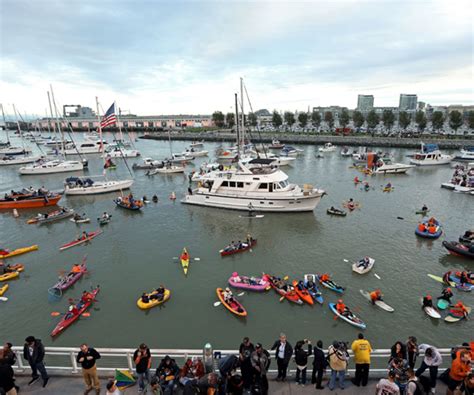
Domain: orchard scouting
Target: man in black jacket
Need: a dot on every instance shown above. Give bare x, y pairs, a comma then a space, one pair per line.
7, 382
319, 365
33, 352
283, 353
87, 357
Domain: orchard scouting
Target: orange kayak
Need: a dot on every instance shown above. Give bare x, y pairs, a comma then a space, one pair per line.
234, 307
303, 293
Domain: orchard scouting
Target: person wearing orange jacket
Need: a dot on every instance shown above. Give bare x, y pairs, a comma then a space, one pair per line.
375, 295
422, 227
341, 307
460, 368
460, 308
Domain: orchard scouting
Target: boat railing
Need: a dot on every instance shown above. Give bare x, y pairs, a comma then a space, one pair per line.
62, 360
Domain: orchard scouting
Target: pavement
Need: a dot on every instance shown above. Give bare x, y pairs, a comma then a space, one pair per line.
60, 385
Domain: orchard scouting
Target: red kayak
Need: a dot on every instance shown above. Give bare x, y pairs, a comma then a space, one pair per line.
69, 318
230, 251
82, 240
289, 293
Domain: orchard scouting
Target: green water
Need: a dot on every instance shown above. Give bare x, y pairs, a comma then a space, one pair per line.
135, 254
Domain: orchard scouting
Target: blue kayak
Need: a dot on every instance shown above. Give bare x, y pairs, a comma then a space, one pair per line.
314, 290
349, 318
331, 285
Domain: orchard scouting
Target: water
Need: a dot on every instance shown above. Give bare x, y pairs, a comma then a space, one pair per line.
135, 254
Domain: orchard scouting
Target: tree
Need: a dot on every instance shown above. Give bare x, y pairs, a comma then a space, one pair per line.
404, 120
253, 119
329, 119
455, 120
470, 119
344, 119
230, 119
277, 121
358, 119
373, 120
218, 119
421, 121
289, 118
437, 119
303, 119
388, 119
315, 119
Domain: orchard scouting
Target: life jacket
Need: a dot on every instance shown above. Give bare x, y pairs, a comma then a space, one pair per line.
432, 229
374, 296
76, 269
324, 277
422, 227
340, 307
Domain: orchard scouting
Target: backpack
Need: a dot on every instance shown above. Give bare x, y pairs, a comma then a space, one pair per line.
228, 364
420, 389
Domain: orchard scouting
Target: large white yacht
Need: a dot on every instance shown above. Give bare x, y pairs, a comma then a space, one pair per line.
87, 186
255, 186
430, 155
382, 167
52, 166
86, 147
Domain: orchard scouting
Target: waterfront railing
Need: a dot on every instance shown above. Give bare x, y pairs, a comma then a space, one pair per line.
62, 360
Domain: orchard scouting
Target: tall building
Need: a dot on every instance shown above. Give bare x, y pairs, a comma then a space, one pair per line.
408, 102
365, 103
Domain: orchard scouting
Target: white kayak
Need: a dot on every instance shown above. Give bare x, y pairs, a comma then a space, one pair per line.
430, 311
378, 303
80, 221
252, 216
358, 268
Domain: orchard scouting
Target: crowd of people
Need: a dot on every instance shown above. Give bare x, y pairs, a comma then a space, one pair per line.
247, 372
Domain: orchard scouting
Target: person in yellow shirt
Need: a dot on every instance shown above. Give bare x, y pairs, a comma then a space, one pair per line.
361, 349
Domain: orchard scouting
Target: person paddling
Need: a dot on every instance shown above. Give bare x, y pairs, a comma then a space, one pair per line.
376, 295
460, 309
341, 307
427, 301
424, 208
76, 268
446, 294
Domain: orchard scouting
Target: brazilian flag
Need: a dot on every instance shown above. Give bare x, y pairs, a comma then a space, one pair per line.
124, 379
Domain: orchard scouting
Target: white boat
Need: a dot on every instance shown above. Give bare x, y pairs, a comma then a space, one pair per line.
167, 170
87, 147
87, 186
281, 160
260, 188
328, 147
191, 152
14, 151
466, 154
56, 143
289, 151
122, 153
382, 167
227, 155
345, 152
17, 160
53, 166
430, 155
148, 163
197, 143
177, 158
276, 144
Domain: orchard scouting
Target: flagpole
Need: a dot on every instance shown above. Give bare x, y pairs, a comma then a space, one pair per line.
104, 172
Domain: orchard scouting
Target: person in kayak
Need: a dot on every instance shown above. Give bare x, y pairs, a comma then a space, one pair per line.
231, 246
249, 239
432, 228
422, 227
4, 252
145, 298
432, 221
159, 293
105, 216
184, 256
86, 297
446, 294
76, 268
356, 180
83, 236
463, 278
154, 199
228, 296
427, 301
376, 295
364, 262
460, 309
341, 307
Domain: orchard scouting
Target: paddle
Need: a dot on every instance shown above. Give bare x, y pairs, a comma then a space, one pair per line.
195, 259
3, 298
57, 313
218, 303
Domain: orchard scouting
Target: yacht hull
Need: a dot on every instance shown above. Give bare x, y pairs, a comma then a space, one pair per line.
99, 187
33, 170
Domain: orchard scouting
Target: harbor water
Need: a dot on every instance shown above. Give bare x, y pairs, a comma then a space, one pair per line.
137, 252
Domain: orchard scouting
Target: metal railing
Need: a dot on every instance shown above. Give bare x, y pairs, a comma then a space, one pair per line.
62, 360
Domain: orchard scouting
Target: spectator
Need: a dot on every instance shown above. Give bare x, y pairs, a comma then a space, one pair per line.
192, 370
167, 373
460, 369
8, 354
319, 365
387, 386
7, 382
412, 349
203, 385
283, 354
112, 388
87, 357
260, 360
245, 351
467, 386
338, 358
142, 359
362, 350
33, 352
414, 386
301, 359
431, 361
398, 350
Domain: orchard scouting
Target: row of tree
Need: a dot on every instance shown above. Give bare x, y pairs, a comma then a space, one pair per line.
372, 120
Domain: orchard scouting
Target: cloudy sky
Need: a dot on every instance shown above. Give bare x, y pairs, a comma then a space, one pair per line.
159, 57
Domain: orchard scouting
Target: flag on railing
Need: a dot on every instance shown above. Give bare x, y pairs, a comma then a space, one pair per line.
109, 118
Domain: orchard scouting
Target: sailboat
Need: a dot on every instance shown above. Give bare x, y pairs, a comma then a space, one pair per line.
87, 185
56, 165
168, 167
10, 159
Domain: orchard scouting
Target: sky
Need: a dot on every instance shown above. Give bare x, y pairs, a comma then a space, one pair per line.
187, 57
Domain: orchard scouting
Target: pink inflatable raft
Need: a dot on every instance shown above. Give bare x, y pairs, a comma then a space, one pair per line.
257, 284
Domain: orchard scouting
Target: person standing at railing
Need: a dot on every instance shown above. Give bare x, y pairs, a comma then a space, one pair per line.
338, 359
412, 349
142, 359
87, 357
245, 351
361, 349
260, 360
7, 382
33, 352
283, 353
460, 369
431, 361
319, 365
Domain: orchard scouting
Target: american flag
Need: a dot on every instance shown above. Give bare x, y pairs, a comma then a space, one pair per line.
109, 118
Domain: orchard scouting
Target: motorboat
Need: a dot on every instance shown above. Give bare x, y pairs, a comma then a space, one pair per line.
227, 155
466, 154
18, 160
29, 198
382, 167
118, 152
52, 166
260, 187
86, 147
11, 150
328, 147
281, 160
177, 158
462, 178
361, 157
148, 163
430, 155
170, 169
289, 151
345, 152
276, 144
195, 144
193, 153
88, 186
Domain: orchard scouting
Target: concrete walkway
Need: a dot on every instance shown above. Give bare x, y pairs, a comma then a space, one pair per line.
75, 386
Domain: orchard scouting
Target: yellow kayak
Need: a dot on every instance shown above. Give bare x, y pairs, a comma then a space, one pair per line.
3, 289
9, 276
19, 251
185, 260
153, 302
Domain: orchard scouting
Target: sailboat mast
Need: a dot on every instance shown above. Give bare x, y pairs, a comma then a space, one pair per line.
53, 125
118, 124
242, 129
5, 123
237, 125
60, 130
17, 115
